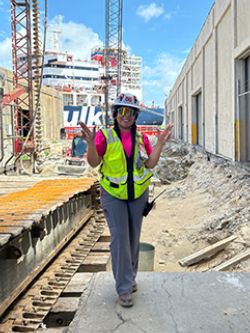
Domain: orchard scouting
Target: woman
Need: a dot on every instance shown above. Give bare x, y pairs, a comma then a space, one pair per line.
126, 158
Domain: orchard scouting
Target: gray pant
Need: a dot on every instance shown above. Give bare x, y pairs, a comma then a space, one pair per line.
124, 219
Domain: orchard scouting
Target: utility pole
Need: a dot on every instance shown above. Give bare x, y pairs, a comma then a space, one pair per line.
112, 51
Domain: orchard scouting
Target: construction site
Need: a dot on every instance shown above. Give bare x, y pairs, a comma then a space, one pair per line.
194, 262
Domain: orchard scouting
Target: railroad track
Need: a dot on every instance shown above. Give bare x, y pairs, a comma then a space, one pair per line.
30, 311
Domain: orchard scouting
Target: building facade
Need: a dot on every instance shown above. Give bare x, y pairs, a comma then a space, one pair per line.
209, 103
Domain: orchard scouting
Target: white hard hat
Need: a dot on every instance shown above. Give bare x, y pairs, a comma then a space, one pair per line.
126, 99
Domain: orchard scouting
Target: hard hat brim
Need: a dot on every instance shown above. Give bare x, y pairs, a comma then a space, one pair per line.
117, 105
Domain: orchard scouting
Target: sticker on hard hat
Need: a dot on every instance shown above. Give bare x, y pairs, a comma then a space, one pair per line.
128, 99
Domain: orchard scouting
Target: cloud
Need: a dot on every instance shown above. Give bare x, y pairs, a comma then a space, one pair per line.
159, 78
150, 11
6, 53
6, 50
76, 38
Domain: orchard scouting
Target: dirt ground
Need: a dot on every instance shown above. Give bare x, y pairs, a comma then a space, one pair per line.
167, 226
209, 205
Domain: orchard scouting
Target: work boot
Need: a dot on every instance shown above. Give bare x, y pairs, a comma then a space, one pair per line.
134, 287
126, 300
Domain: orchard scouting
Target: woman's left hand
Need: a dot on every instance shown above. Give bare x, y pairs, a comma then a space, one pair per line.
164, 135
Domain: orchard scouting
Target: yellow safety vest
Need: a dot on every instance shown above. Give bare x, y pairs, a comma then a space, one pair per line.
113, 169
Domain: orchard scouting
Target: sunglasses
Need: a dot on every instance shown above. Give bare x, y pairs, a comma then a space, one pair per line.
127, 111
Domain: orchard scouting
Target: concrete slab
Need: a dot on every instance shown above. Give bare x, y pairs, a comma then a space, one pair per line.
208, 302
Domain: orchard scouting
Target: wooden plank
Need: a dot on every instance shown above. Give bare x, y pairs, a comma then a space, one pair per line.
65, 304
101, 247
206, 252
62, 312
94, 264
232, 261
105, 236
78, 283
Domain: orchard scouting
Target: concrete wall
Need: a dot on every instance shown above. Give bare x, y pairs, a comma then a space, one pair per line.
212, 68
225, 88
243, 26
51, 113
6, 122
51, 116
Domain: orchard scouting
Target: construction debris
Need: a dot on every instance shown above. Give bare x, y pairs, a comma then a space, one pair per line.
206, 201
241, 256
207, 252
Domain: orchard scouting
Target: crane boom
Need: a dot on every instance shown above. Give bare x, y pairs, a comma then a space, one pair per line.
12, 96
113, 49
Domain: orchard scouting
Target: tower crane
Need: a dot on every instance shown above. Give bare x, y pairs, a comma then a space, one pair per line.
112, 50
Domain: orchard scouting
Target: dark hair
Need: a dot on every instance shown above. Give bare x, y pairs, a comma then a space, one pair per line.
114, 112
133, 131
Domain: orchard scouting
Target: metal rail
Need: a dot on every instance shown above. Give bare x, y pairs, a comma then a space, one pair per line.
29, 313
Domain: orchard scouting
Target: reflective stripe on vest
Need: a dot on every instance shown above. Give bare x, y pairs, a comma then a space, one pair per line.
114, 167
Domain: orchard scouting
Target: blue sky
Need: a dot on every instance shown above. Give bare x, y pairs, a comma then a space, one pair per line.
161, 32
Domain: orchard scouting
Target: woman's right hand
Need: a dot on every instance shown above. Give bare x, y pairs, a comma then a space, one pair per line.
92, 156
87, 134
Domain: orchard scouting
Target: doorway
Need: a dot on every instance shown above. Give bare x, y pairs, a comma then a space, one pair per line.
243, 112
197, 120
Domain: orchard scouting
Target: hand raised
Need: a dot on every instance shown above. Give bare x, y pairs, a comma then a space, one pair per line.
87, 134
164, 135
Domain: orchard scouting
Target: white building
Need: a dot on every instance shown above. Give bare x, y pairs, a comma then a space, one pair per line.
131, 68
210, 100
131, 80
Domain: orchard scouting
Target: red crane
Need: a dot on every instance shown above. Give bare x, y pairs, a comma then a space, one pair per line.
22, 74
10, 97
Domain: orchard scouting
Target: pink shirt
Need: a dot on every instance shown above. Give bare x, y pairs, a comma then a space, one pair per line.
126, 138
